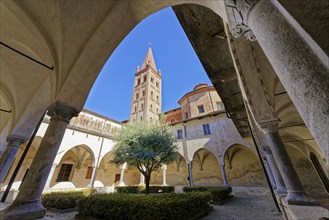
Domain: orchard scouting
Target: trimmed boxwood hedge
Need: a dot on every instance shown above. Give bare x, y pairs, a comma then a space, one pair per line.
146, 207
219, 193
64, 199
141, 189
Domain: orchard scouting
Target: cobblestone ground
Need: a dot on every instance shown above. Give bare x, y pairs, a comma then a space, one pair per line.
246, 208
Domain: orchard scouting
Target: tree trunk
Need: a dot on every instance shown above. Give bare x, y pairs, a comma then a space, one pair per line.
147, 183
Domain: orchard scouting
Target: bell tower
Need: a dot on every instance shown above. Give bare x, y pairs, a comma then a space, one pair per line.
147, 97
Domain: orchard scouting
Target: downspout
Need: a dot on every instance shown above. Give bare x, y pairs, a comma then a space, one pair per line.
93, 177
260, 159
189, 164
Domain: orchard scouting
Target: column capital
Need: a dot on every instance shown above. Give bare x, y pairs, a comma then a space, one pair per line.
237, 15
62, 111
164, 166
16, 140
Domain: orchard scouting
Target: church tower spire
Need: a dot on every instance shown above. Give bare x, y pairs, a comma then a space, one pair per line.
149, 60
147, 96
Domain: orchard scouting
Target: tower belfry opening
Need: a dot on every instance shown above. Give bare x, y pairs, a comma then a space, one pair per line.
146, 101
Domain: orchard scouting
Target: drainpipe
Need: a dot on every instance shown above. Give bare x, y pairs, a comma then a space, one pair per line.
93, 176
260, 158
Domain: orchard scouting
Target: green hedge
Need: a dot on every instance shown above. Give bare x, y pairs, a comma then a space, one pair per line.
141, 189
64, 199
146, 207
219, 193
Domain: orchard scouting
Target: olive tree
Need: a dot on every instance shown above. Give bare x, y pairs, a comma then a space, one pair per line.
146, 146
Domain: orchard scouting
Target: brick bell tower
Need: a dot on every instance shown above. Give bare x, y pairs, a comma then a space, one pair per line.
147, 98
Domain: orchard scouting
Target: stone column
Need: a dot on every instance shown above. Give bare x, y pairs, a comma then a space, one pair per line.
50, 176
14, 143
189, 166
222, 167
280, 186
122, 167
164, 173
142, 179
301, 65
296, 194
93, 177
27, 204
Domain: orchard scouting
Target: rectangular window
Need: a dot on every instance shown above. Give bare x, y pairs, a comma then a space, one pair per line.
143, 93
201, 108
179, 134
206, 129
152, 79
89, 173
137, 95
144, 79
186, 115
157, 84
64, 173
142, 106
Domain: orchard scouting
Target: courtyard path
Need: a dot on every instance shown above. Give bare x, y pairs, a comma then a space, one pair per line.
245, 207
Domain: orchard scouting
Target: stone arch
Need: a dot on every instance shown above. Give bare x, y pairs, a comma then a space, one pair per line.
74, 167
243, 167
305, 170
109, 38
109, 174
205, 169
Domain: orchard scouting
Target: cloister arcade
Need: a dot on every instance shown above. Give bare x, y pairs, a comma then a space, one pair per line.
268, 60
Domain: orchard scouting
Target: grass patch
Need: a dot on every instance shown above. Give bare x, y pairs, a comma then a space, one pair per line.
147, 207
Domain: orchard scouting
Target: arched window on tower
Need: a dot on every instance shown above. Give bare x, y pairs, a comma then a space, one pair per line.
151, 107
151, 94
157, 98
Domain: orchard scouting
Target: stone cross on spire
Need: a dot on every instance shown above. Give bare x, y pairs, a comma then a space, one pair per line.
149, 59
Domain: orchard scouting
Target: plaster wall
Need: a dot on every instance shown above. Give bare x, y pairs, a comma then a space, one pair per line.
245, 170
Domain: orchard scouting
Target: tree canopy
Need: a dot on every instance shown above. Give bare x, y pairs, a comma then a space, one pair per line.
145, 145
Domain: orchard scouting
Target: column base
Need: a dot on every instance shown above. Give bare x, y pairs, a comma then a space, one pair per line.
164, 184
122, 184
300, 198
23, 210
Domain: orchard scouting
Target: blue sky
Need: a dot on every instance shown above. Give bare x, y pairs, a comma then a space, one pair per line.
174, 56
